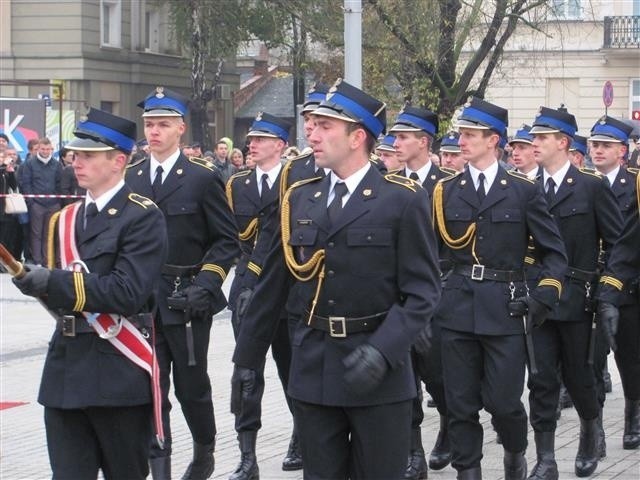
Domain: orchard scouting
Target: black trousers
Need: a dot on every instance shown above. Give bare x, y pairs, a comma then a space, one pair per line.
483, 371
628, 353
250, 417
354, 442
191, 383
561, 345
114, 439
429, 370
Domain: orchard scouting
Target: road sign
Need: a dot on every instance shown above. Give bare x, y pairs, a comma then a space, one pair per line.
635, 115
607, 94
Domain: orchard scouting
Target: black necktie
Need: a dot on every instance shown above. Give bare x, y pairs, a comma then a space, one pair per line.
265, 186
606, 181
414, 176
320, 172
551, 191
335, 207
481, 190
90, 213
157, 181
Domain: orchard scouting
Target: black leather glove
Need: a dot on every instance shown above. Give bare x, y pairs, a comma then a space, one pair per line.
243, 382
424, 341
365, 369
34, 282
242, 302
609, 315
537, 312
198, 301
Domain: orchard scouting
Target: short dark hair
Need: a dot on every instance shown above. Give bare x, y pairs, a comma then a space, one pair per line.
2, 135
370, 142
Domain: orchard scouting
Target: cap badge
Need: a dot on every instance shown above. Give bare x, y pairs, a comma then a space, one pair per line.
159, 92
259, 117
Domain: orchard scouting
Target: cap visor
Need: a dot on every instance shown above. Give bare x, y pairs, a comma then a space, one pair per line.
450, 149
603, 138
542, 129
308, 108
328, 112
386, 148
161, 112
86, 144
258, 133
520, 140
469, 124
400, 127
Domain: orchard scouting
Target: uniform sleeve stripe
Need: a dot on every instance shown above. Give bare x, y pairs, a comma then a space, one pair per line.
614, 282
550, 282
254, 268
78, 281
210, 267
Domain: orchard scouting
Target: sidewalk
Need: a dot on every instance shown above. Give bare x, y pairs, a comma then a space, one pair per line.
25, 330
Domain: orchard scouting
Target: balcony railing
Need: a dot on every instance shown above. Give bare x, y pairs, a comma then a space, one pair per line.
622, 32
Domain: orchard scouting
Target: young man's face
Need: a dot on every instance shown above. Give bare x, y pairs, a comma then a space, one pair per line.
45, 150
265, 150
547, 146
390, 160
523, 156
606, 156
221, 151
309, 123
452, 160
330, 140
476, 145
95, 171
409, 145
163, 135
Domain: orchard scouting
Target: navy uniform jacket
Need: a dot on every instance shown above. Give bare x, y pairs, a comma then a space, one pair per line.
622, 274
381, 256
124, 249
200, 226
588, 218
513, 210
251, 213
624, 190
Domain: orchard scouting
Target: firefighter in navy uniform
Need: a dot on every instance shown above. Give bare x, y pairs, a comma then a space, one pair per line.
608, 146
450, 154
203, 243
253, 197
485, 217
88, 386
351, 379
415, 129
587, 216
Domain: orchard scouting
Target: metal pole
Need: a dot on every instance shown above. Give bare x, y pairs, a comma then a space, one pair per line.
353, 42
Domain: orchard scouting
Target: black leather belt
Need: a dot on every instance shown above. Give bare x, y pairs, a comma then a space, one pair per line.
181, 270
340, 327
71, 325
480, 272
582, 275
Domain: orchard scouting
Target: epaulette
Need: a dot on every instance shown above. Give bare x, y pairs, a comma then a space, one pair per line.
394, 172
404, 181
202, 162
447, 170
303, 154
519, 175
137, 162
241, 173
451, 177
633, 170
144, 202
590, 171
300, 183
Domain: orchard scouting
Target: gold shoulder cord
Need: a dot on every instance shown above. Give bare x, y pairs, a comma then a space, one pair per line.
438, 218
284, 178
51, 240
315, 265
252, 228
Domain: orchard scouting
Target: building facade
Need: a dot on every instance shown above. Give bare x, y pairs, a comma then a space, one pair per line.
102, 53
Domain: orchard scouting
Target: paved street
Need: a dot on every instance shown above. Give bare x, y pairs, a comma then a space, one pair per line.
24, 332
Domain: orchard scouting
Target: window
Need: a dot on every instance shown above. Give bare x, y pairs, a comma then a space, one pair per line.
635, 95
151, 28
107, 106
566, 9
110, 19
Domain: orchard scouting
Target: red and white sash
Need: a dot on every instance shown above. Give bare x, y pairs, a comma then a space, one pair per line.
128, 340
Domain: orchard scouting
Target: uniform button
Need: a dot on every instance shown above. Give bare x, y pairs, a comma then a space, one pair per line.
262, 214
507, 216
480, 217
331, 302
300, 237
331, 273
331, 244
481, 237
369, 238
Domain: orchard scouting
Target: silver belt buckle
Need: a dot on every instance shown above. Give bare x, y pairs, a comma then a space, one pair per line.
477, 272
68, 326
337, 327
